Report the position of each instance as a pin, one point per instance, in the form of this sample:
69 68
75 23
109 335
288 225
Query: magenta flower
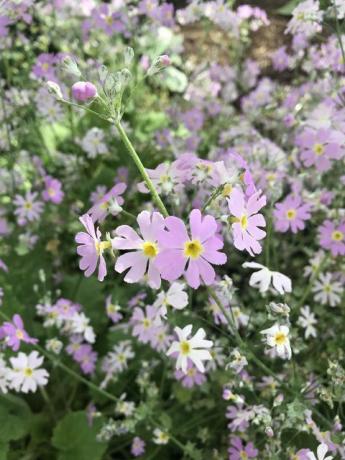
27 208
53 191
246 231
318 148
86 358
91 249
145 249
332 237
14 333
84 91
240 451
144 323
138 447
291 214
190 256
102 207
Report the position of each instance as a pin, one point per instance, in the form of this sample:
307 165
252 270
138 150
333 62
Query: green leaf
75 440
4 449
287 9
14 418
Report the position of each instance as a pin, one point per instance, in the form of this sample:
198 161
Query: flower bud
83 91
54 89
269 432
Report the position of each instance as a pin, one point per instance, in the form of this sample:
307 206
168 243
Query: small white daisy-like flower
26 374
326 291
192 349
175 297
320 453
307 320
160 437
277 336
264 277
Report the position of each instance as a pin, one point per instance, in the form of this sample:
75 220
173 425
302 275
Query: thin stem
338 33
142 170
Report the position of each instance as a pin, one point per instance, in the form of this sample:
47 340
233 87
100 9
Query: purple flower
240 451
190 256
84 91
14 333
101 208
144 323
27 208
246 231
113 310
138 447
332 237
240 417
319 147
192 377
193 119
53 191
145 249
5 21
291 214
86 358
44 67
91 249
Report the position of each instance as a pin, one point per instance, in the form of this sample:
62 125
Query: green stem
338 33
142 170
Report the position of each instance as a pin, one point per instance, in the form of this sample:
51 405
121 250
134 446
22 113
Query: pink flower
52 190
190 256
145 323
192 377
239 450
113 310
86 358
319 148
145 249
83 91
246 231
27 208
101 208
332 237
14 333
291 214
91 249
138 447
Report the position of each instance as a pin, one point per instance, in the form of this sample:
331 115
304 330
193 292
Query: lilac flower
191 377
53 191
144 323
332 237
91 249
319 147
45 67
3 266
246 231
109 21
161 339
5 22
113 310
306 19
240 451
103 206
240 417
86 358
27 208
13 333
145 249
191 257
138 447
291 214
193 119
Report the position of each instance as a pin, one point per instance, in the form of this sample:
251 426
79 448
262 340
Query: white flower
321 452
3 375
79 324
93 143
339 7
307 320
175 297
193 349
263 278
25 374
277 336
327 291
54 345
160 437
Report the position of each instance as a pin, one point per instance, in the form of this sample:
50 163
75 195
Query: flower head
277 337
332 237
193 349
26 374
53 191
263 278
291 214
193 255
14 333
84 91
240 451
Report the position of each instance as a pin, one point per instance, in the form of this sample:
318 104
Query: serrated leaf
75 440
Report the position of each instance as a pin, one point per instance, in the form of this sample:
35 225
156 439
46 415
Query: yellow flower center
150 249
45 66
337 235
164 178
193 249
51 191
280 338
327 288
243 455
185 347
28 372
28 205
101 246
291 214
146 323
191 372
104 205
319 149
19 334
244 222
